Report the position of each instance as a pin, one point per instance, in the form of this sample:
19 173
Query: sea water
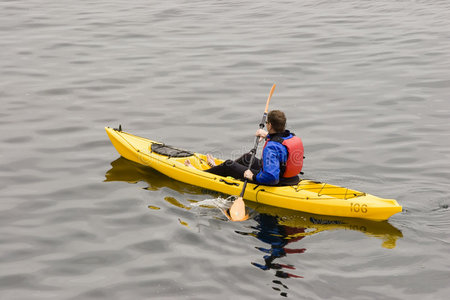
365 84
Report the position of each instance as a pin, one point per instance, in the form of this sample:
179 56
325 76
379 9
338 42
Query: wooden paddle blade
268 99
237 210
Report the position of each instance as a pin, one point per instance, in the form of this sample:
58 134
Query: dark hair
277 119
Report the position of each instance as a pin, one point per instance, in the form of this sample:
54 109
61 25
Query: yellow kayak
127 171
307 196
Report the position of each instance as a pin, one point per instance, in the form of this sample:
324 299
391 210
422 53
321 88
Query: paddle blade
237 210
268 99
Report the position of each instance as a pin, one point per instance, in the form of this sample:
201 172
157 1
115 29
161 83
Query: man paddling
282 156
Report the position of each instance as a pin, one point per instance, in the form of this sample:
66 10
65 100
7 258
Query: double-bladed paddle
237 209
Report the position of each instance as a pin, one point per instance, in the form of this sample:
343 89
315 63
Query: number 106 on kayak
356 207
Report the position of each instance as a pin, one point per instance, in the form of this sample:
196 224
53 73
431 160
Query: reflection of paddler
277 236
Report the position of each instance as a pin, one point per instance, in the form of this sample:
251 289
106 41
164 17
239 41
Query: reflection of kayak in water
318 223
308 196
127 171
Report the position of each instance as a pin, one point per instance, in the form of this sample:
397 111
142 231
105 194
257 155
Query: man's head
277 120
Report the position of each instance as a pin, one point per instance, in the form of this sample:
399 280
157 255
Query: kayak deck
307 196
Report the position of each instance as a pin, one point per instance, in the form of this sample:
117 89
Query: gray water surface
366 85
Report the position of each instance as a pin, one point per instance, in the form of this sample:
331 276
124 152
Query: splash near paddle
222 204
237 210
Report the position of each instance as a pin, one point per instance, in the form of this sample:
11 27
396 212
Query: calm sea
366 84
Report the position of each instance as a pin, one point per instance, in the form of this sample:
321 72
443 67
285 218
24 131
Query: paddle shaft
255 147
252 158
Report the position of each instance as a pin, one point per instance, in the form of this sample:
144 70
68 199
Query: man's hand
248 175
261 133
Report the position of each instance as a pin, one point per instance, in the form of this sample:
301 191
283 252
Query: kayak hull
307 196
